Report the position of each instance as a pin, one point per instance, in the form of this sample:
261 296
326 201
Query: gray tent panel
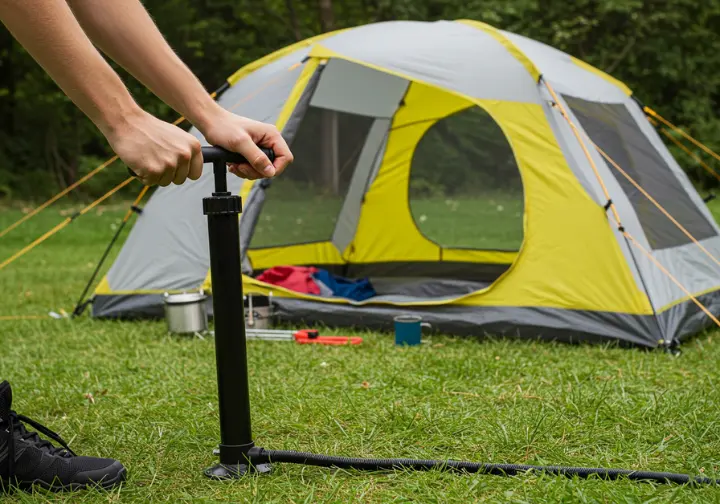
377 163
687 318
264 100
293 122
556 66
449 54
350 212
167 247
355 89
696 271
251 213
259 94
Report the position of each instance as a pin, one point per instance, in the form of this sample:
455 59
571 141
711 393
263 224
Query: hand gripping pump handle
220 156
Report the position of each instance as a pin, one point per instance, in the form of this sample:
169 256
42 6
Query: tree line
667 51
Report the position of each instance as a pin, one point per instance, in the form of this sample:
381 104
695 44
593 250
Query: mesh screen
614 130
465 186
302 205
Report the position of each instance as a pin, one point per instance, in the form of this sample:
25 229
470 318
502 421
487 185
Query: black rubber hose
261 455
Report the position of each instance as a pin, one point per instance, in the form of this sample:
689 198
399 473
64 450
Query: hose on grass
262 456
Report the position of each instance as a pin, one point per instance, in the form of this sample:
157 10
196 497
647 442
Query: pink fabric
296 278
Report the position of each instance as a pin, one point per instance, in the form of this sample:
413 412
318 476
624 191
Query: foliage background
665 50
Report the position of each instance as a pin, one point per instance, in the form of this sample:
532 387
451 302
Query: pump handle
212 154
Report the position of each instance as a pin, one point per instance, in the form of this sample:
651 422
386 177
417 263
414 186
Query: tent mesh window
465 186
303 203
613 129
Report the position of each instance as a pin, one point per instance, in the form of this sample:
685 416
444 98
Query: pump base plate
235 471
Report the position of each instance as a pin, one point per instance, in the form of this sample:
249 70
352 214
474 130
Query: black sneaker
27 460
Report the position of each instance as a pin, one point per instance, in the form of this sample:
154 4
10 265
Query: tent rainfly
480 179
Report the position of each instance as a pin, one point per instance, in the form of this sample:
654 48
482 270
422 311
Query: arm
158 152
124 31
52 36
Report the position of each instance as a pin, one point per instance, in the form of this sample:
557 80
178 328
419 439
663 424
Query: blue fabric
357 290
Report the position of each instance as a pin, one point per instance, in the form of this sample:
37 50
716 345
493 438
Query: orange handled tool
302 336
306 336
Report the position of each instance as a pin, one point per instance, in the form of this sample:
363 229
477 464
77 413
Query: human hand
243 135
156 151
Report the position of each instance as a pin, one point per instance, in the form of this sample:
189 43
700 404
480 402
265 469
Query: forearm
49 32
124 31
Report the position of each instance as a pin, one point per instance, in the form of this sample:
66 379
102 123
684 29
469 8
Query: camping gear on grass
302 336
318 282
258 316
294 278
408 330
479 179
186 313
356 290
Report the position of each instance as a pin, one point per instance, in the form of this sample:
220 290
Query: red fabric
296 278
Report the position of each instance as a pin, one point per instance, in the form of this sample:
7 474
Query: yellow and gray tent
466 172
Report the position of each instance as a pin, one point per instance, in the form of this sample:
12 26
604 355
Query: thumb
256 157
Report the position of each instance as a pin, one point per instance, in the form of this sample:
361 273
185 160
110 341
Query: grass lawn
130 391
491 222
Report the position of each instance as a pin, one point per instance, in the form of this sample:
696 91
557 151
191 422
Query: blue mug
408 330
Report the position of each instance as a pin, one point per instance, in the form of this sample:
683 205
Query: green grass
296 220
154 401
490 222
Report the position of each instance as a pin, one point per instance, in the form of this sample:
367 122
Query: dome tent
455 166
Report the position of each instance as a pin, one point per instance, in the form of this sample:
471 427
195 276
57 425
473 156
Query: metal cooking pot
186 312
258 317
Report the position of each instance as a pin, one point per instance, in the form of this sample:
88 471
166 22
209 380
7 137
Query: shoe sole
72 487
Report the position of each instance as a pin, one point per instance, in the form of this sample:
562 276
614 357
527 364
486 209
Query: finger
183 167
143 175
243 171
257 159
168 173
196 163
283 155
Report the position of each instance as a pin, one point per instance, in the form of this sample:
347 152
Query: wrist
117 115
205 114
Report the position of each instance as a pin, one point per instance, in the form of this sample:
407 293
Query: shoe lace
17 430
